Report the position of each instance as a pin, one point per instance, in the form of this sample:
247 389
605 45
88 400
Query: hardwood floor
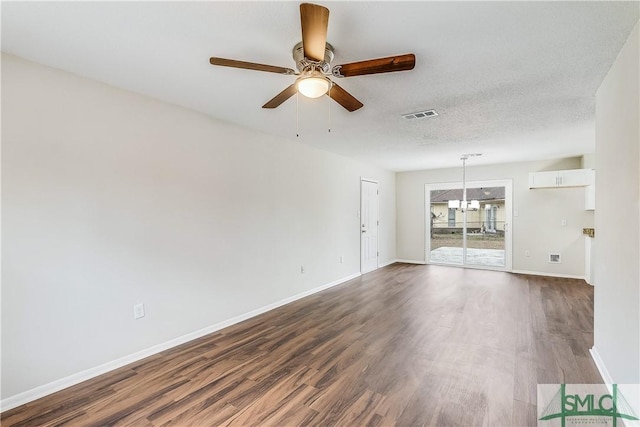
406 345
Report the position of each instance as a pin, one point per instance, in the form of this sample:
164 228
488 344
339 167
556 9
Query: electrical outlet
302 269
341 259
527 253
138 311
563 222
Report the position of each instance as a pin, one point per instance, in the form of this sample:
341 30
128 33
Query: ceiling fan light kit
313 84
313 56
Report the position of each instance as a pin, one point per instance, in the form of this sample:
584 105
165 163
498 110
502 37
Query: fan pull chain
330 108
297 108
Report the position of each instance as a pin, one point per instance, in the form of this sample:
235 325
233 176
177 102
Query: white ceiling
513 80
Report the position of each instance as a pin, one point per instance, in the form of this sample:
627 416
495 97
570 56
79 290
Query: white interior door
368 226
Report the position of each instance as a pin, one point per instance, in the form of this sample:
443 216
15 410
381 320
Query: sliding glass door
469 229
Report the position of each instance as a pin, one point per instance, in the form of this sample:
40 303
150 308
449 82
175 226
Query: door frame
508 207
373 181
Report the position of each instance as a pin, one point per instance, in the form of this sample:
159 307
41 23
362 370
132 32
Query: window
452 217
490 218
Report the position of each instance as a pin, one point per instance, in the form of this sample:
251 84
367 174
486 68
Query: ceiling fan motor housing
306 64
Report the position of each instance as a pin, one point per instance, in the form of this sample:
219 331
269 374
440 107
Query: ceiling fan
313 56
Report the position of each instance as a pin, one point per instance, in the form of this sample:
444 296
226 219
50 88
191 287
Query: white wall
617 290
537 227
110 198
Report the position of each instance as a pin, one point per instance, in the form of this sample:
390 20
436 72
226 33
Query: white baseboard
384 264
604 373
411 261
540 273
57 385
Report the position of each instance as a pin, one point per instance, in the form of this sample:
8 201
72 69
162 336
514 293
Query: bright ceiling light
313 85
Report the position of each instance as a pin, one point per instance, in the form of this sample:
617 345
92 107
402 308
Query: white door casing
368 226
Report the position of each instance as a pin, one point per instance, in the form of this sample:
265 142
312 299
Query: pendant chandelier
464 205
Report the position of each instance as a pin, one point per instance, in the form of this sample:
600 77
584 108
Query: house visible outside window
452 217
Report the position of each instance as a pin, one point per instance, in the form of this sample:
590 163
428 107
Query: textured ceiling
513 80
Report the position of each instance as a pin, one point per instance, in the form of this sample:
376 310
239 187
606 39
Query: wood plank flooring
406 345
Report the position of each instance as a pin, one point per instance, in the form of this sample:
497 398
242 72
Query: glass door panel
446 228
485 227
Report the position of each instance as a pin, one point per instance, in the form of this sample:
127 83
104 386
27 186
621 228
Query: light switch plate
138 311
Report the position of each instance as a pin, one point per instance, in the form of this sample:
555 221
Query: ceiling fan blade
250 66
375 66
281 97
344 98
314 20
